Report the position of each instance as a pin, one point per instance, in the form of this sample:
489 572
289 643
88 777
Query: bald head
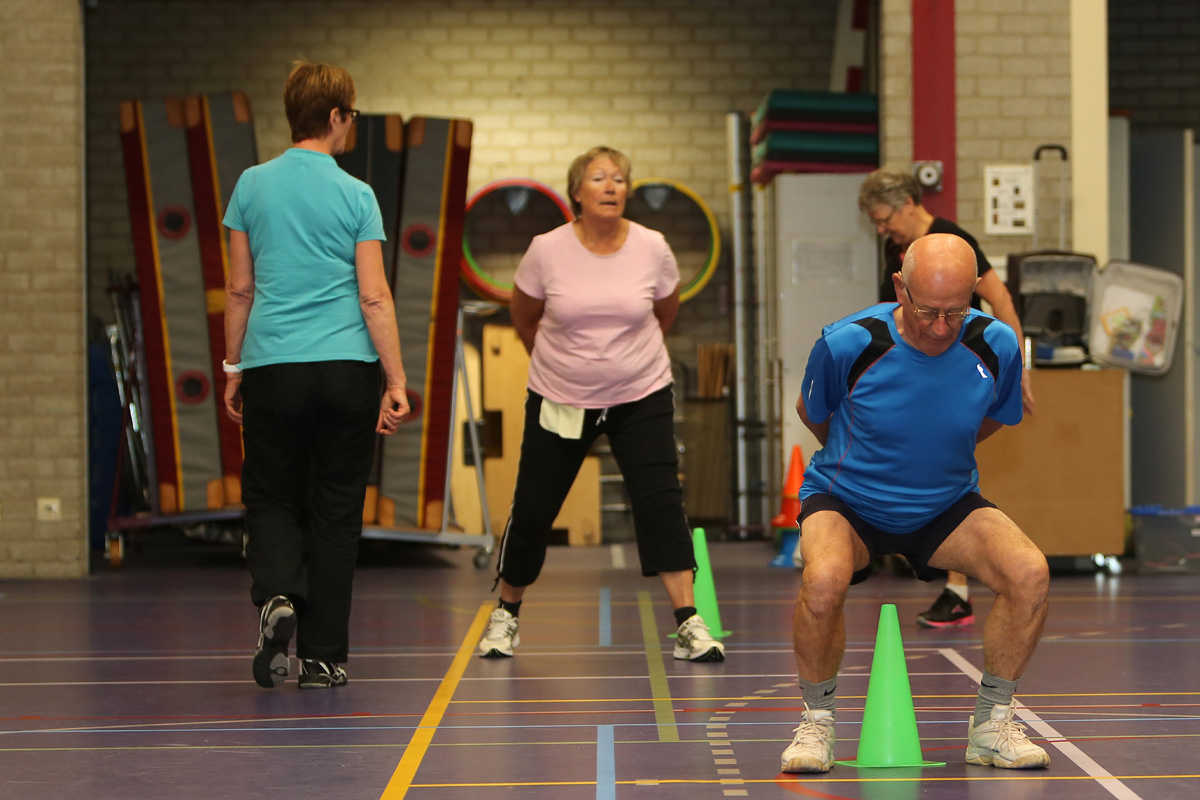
940 259
937 280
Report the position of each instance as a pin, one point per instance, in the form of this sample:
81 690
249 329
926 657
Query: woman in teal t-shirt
309 327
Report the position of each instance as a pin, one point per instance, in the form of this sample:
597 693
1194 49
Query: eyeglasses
929 315
879 223
353 112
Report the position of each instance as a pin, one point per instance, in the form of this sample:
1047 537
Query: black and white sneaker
321 674
276 625
694 642
501 635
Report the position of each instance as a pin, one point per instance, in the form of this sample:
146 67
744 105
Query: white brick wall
543 80
43 426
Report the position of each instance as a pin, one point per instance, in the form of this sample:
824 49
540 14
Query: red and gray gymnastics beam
375 155
183 397
412 490
221 145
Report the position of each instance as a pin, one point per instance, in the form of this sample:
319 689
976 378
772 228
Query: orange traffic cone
791 492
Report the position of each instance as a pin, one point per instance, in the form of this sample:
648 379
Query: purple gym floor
136 684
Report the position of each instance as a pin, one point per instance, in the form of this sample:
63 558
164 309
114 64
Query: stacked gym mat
182 158
418 170
808 131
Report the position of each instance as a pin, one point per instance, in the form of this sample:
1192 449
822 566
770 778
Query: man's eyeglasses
929 315
353 112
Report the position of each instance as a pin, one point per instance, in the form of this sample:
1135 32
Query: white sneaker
693 642
1001 742
500 637
811 749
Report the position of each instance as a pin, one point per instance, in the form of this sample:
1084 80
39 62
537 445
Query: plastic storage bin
1167 539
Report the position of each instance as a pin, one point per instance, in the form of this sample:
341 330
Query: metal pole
473 430
447 497
735 144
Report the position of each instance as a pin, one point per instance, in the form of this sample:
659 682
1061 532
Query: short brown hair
311 92
888 187
575 172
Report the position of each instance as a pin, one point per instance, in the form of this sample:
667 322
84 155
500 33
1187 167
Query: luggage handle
1062 193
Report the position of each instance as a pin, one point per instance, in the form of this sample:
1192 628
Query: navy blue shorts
917 546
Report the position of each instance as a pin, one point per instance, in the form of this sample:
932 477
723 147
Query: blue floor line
606 762
605 617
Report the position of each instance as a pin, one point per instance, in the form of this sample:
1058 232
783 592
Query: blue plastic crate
1167 540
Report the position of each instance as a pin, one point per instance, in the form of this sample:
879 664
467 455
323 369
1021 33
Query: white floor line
618 556
507 678
1081 759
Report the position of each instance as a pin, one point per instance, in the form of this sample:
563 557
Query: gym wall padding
375 155
183 396
220 134
412 484
182 159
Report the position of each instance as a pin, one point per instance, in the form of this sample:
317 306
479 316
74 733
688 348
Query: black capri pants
642 438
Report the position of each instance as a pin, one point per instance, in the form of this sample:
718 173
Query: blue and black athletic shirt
902 424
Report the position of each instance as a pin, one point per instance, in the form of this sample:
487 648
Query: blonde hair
579 165
311 92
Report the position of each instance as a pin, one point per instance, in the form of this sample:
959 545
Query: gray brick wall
1154 62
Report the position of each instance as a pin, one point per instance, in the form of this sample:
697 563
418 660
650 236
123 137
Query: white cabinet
816 260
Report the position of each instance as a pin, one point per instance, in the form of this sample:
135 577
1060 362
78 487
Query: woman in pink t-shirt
592 301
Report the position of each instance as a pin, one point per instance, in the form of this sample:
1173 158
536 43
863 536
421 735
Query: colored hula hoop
479 281
698 281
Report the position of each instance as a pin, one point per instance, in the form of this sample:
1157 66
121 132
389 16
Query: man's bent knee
824 587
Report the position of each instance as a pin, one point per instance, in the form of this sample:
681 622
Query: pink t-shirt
598 342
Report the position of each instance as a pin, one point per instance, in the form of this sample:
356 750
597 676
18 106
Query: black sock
512 608
682 615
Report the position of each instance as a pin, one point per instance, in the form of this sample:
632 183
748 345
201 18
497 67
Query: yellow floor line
407 768
664 710
809 780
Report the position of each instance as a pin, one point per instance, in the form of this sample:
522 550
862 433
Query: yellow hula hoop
698 281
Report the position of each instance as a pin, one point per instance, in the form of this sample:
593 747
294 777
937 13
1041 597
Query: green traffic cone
889 730
704 590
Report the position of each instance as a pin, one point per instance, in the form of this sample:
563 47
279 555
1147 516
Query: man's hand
1027 400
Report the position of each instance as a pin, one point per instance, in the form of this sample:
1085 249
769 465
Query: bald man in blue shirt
898 395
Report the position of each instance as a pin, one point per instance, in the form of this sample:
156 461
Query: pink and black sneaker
948 611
